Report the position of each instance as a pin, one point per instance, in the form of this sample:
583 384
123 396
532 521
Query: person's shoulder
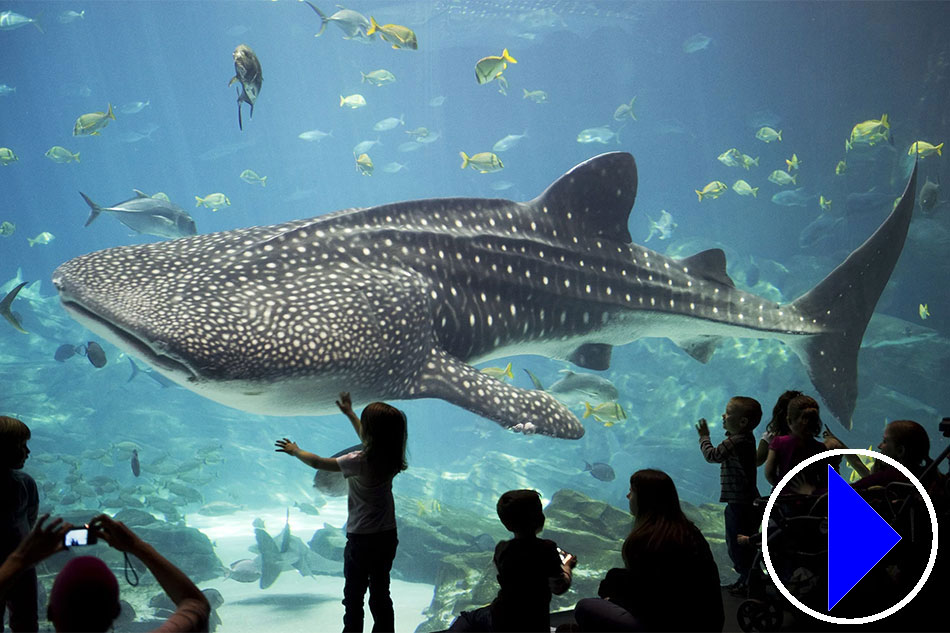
24 477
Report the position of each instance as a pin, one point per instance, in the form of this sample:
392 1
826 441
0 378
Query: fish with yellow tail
484 162
398 36
870 132
825 203
364 165
59 154
743 188
607 413
247 72
353 101
43 238
792 163
491 67
90 123
713 190
213 201
498 372
924 149
841 168
767 134
7 156
923 311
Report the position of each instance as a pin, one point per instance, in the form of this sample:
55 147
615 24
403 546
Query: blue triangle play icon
857 538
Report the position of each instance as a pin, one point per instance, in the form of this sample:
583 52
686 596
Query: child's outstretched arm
310 459
346 406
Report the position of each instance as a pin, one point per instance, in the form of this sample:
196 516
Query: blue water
811 70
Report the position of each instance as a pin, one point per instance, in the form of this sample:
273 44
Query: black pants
21 601
741 518
367 561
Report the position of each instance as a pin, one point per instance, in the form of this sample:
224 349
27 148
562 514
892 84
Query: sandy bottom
293 603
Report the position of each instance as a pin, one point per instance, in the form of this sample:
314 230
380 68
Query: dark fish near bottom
600 471
136 467
66 351
96 355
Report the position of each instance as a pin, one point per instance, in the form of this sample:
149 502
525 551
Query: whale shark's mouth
128 340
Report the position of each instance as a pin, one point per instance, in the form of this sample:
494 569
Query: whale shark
399 301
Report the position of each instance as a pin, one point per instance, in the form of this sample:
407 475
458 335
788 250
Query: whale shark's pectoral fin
522 410
701 348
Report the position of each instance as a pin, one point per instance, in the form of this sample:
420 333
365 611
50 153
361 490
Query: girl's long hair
384 439
660 520
806 407
779 422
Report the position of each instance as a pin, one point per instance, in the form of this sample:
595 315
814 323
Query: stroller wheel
759 615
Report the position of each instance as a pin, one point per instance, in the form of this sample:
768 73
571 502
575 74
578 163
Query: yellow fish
767 134
398 36
743 188
498 372
867 461
250 177
7 157
484 162
607 413
712 190
488 68
825 203
213 201
538 96
364 165
748 161
924 149
869 132
923 310
793 163
90 124
43 238
353 101
781 178
59 154
841 167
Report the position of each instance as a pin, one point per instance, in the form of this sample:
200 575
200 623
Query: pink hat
85 596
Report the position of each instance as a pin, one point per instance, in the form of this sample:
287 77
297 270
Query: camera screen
78 536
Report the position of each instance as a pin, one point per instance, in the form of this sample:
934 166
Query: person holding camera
85 594
529 571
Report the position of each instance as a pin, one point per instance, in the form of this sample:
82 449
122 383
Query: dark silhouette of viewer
371 520
85 594
787 451
530 569
669 582
736 455
778 425
19 503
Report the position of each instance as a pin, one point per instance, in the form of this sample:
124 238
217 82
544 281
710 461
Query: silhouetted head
14 435
907 442
520 511
779 422
384 438
742 414
803 416
85 596
654 495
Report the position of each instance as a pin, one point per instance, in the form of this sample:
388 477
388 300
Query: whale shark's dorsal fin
594 198
710 264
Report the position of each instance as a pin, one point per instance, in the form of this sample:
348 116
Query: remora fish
398 301
147 215
247 71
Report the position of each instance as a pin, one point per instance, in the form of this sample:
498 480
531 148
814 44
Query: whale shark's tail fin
844 302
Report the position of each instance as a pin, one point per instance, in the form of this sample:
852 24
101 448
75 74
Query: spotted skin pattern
398 301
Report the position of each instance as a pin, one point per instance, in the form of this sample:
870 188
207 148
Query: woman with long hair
669 582
371 524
